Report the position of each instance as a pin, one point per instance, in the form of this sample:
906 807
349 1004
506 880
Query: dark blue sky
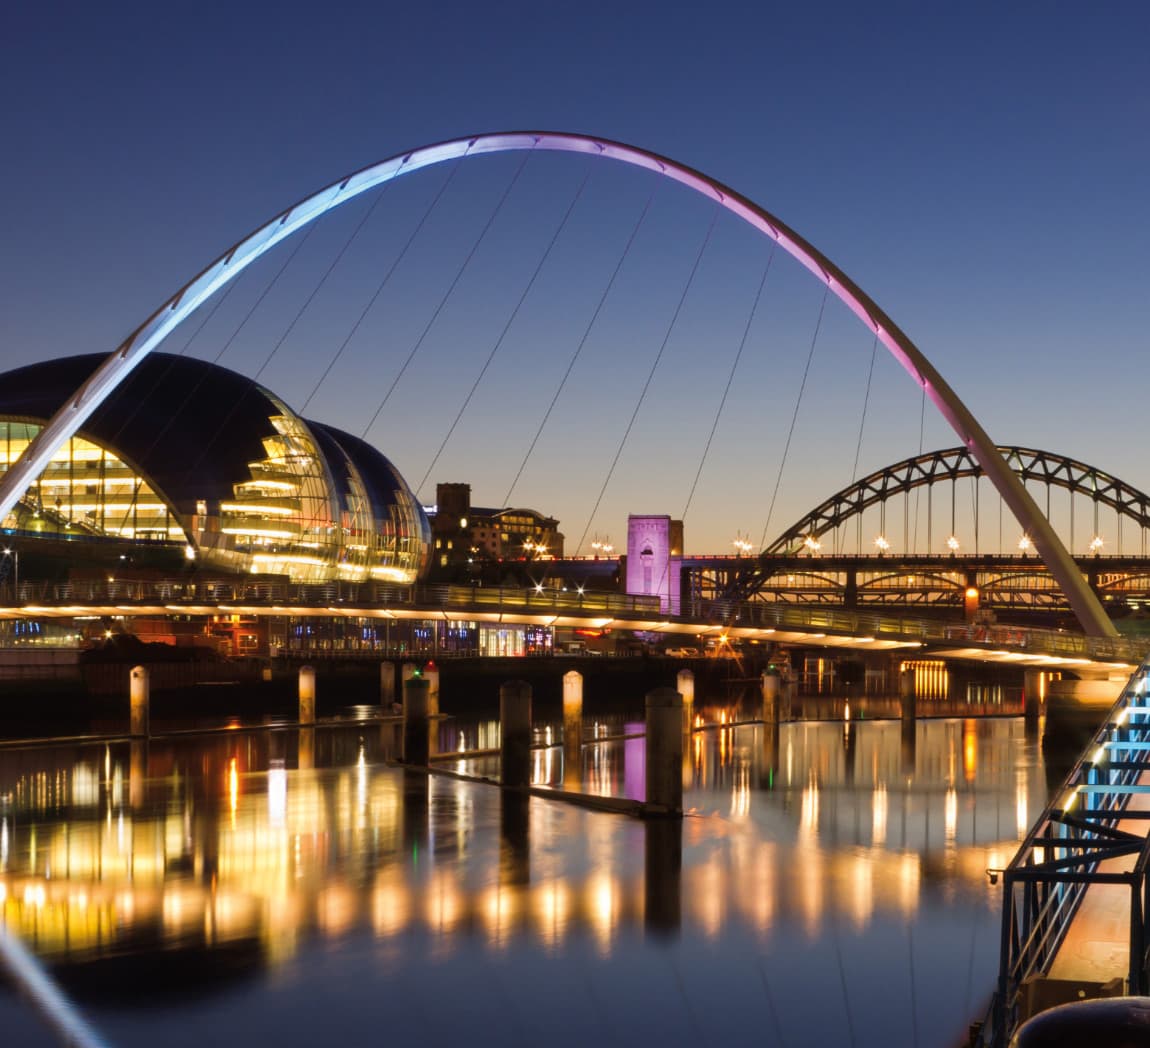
980 171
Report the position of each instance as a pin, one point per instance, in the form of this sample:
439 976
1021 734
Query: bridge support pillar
771 688
387 685
664 757
1033 693
416 725
305 758
431 674
307 695
137 773
663 876
685 685
515 733
906 693
139 689
572 730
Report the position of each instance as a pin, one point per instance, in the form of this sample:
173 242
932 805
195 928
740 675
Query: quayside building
188 461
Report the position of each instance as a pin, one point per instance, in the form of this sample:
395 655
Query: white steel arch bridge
243 253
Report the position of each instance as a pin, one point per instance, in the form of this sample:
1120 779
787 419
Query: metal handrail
196 590
1061 854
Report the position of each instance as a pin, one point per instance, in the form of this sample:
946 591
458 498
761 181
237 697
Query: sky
980 170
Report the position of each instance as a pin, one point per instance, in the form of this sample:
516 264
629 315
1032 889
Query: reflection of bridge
92 861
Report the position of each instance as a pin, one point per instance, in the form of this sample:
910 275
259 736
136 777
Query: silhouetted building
467 535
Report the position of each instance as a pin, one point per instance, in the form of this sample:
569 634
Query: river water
827 887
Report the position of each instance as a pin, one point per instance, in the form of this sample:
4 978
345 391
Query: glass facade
310 508
86 490
293 516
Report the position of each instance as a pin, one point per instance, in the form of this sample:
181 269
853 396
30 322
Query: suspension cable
211 443
382 284
195 388
858 442
582 342
866 401
507 326
918 490
141 401
730 379
794 418
447 294
650 376
324 279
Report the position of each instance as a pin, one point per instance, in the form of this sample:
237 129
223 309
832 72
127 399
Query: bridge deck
1097 943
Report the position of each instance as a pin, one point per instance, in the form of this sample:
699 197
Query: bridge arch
951 464
233 261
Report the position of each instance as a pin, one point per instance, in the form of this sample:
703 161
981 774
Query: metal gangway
1092 837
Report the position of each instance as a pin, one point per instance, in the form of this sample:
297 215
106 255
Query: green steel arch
951 464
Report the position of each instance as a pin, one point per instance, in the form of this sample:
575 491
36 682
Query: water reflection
285 840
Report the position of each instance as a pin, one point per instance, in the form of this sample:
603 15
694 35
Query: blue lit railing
1061 857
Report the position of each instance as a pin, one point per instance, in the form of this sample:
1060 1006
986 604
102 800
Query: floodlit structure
655 559
192 456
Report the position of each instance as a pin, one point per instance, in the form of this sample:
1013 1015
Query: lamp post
14 557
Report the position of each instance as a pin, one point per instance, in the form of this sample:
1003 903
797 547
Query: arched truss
936 467
230 264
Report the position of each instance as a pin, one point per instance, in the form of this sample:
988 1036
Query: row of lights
812 545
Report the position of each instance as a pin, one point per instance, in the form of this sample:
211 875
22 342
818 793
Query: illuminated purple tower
655 559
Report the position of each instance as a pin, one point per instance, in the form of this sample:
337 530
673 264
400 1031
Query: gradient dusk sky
981 170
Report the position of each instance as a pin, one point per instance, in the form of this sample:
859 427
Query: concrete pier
663 880
1032 694
664 758
386 685
431 675
307 695
572 730
514 840
685 686
140 696
771 687
906 695
416 722
515 733
137 773
305 759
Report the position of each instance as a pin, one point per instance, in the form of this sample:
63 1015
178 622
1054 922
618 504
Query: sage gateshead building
187 463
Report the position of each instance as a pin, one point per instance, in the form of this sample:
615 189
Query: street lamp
812 544
1096 545
14 557
881 543
1024 544
742 546
952 544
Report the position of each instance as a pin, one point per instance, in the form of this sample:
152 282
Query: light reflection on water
827 887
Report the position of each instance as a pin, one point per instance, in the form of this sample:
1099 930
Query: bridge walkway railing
197 590
1068 850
